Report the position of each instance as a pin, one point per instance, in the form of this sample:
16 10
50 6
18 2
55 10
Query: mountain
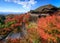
45 8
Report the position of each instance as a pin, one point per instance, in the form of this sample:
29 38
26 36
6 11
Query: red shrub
49 27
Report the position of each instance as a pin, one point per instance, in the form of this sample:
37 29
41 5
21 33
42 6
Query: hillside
45 8
25 28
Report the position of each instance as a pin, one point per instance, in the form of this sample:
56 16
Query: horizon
23 6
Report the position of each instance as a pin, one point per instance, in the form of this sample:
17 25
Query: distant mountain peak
46 8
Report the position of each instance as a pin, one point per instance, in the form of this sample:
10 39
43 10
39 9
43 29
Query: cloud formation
26 4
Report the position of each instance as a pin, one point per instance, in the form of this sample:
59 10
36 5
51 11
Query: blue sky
24 5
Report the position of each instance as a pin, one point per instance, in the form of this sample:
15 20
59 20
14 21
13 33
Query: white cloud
8 11
26 4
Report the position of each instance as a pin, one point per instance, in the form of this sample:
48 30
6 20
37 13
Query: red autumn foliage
16 20
13 22
49 27
13 40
